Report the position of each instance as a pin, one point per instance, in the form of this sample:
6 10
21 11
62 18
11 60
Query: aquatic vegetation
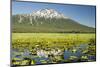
44 48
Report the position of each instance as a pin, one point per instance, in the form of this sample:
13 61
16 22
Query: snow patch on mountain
48 13
42 13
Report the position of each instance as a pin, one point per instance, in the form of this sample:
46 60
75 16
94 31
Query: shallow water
67 54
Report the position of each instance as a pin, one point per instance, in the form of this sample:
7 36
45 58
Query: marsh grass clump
92 41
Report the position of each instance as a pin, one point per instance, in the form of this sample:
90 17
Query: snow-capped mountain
47 20
42 13
48 13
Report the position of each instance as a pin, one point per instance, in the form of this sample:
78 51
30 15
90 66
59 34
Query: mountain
47 20
48 13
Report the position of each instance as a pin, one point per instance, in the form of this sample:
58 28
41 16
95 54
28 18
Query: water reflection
42 56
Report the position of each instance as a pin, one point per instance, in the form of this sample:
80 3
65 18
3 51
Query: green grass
29 40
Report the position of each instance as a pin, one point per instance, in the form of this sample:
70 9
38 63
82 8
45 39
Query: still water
73 55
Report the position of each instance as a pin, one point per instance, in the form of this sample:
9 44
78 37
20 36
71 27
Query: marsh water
76 54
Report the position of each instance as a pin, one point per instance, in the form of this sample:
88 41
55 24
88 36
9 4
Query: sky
84 14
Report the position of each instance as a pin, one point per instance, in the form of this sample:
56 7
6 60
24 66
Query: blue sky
82 14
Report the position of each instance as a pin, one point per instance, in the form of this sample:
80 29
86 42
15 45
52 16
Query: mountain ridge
47 20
